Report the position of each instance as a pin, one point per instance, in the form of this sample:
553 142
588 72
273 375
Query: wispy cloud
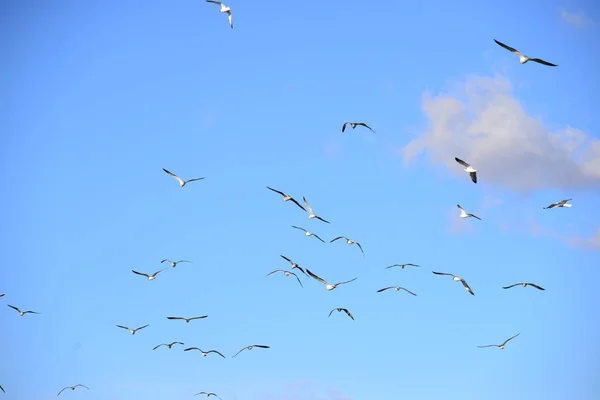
577 18
590 243
307 389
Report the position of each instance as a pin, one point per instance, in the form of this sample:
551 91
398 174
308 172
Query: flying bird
224 9
311 213
174 263
562 203
306 233
349 241
402 265
463 213
73 388
287 198
150 277
204 353
328 286
169 345
353 125
133 331
286 273
294 265
472 171
523 58
21 313
188 319
397 288
260 346
182 183
501 346
524 284
208 394
340 310
457 278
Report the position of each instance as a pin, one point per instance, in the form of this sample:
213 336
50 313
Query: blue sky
99 96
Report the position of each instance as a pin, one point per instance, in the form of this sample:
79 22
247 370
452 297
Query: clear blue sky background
98 96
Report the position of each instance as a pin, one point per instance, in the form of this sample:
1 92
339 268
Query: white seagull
174 263
287 197
182 183
353 125
311 213
341 310
150 277
328 286
472 171
396 288
260 346
286 273
73 388
562 203
501 346
307 233
169 345
523 58
402 265
204 353
207 394
133 331
224 9
294 265
187 320
524 284
349 241
457 278
463 213
21 313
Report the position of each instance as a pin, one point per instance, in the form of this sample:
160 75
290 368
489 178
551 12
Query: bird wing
180 261
366 126
230 19
219 3
298 204
30 312
406 290
297 227
287 259
539 60
317 217
384 289
510 338
174 176
475 216
192 348
564 201
466 285
309 208
300 268
80 385
473 176
462 209
139 273
176 343
142 327
348 313
316 277
261 346
158 272
317 236
508 48
1 388
413 265
344 126
162 344
360 247
536 286
276 191
68 387
272 272
166 259
442 273
392 266
342 283
461 162
200 317
239 352
488 345
175 318
124 327
508 287
552 205
331 312
216 352
298 279
337 238
194 180
14 308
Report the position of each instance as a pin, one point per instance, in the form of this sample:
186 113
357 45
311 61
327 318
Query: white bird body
224 9
464 214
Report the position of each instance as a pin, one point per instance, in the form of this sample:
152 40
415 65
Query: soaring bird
169 345
397 288
287 198
349 241
501 346
21 313
311 213
341 310
133 331
286 273
208 394
523 58
174 263
402 265
307 233
562 203
524 284
260 346
353 125
150 277
73 388
472 171
224 9
457 278
294 265
188 319
182 183
328 286
204 353
463 213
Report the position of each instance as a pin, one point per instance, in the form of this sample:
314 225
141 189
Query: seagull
463 213
457 278
21 313
307 233
472 171
397 288
260 346
562 203
150 277
402 265
133 331
294 265
353 125
340 310
174 263
287 198
73 388
205 353
182 183
523 58
349 241
169 345
328 286
286 273
187 320
311 213
224 9
501 346
206 393
524 284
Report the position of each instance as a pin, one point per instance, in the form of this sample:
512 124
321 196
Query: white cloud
578 18
485 125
